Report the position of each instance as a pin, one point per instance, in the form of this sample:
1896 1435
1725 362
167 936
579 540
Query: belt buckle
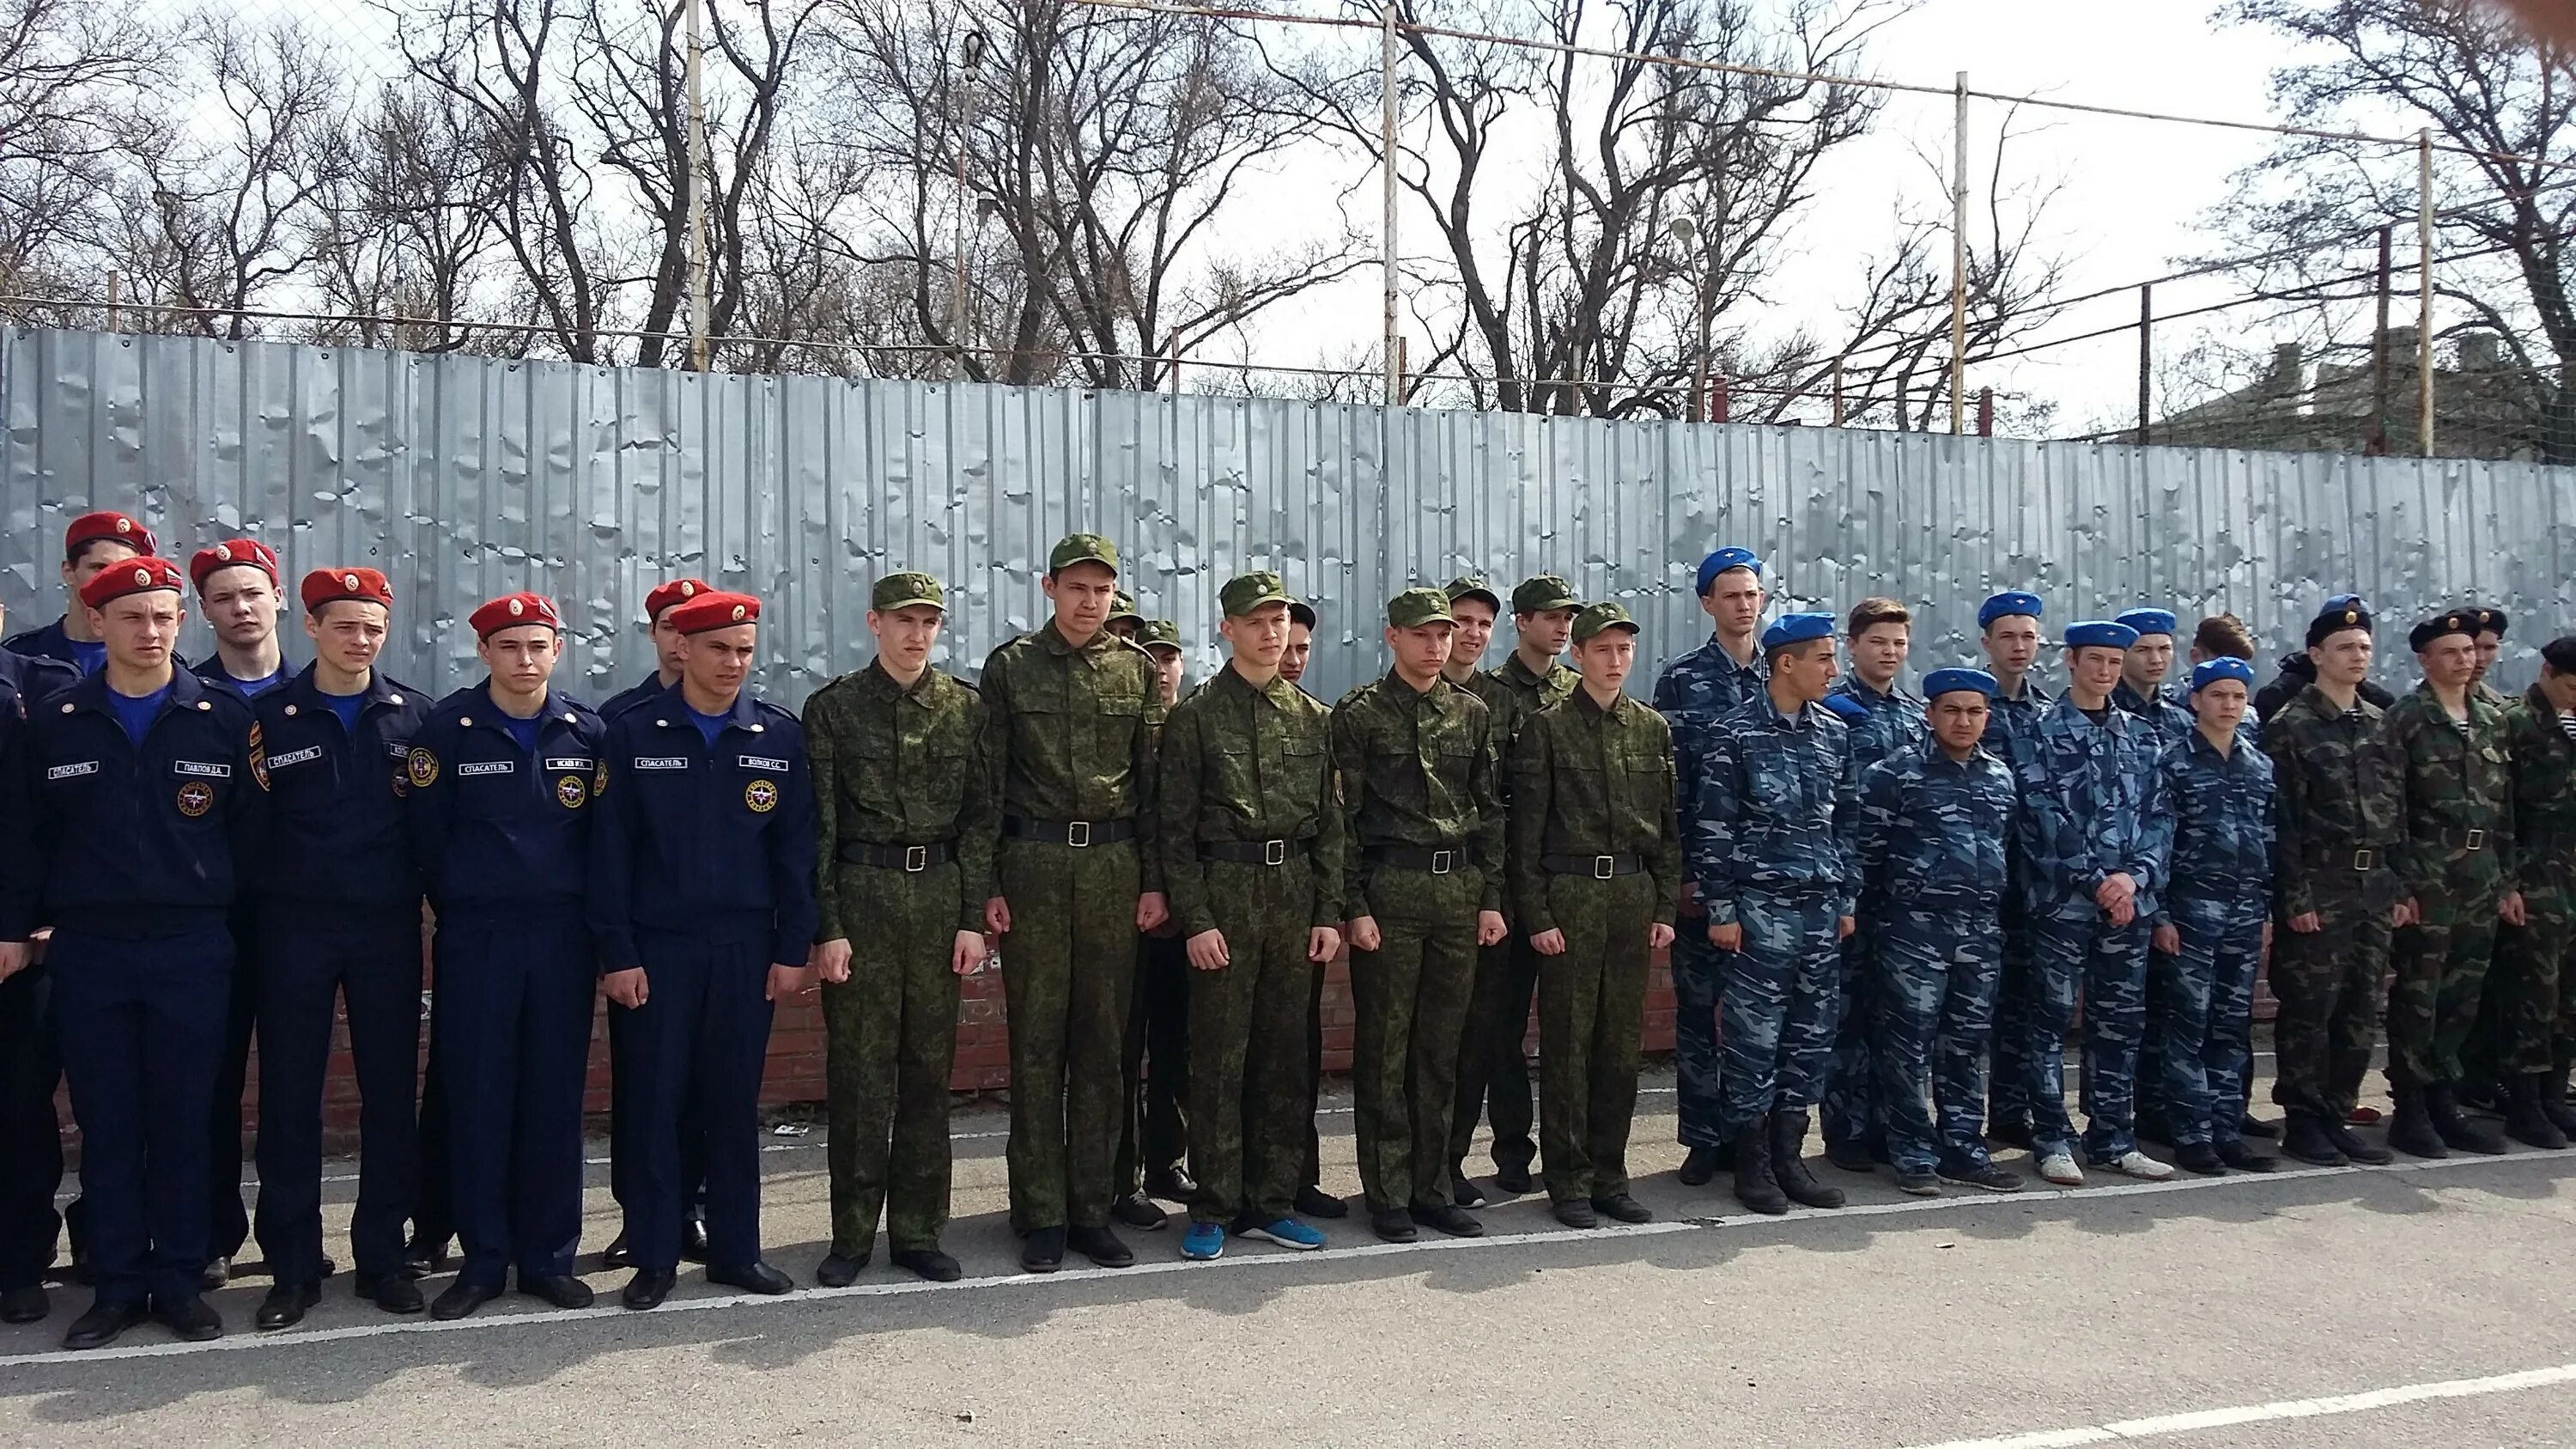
1602 865
916 858
1078 834
1442 861
2361 859
1274 852
2477 840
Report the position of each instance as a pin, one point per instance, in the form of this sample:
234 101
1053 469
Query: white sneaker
2060 1168
2134 1163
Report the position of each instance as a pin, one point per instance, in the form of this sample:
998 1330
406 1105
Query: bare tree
65 66
406 229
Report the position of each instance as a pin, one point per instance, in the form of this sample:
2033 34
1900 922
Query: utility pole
698 183
970 63
1386 165
1959 255
2424 288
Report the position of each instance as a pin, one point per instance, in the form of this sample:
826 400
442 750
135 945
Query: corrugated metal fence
463 477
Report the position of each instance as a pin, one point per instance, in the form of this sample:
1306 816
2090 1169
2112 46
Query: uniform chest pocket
1303 766
197 787
760 781
1776 786
490 787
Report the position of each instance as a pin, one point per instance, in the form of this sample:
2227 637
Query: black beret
2463 622
2491 621
2335 620
2560 653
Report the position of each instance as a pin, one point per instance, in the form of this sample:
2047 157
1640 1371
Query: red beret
511 611
131 576
230 552
715 611
116 527
677 591
322 586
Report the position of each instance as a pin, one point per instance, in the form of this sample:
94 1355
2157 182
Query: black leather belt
1599 867
1404 857
1076 833
1248 852
915 858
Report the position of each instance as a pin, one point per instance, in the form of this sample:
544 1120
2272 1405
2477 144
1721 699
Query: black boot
2480 1094
2526 1120
2304 1139
1754 1186
2553 1100
2411 1130
1699 1166
2457 1132
1789 1163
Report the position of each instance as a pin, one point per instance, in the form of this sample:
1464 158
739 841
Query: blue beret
1848 707
2149 621
1724 559
2344 601
2100 633
1950 681
2011 601
2209 671
1791 629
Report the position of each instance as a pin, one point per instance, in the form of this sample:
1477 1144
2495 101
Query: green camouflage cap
1159 632
1474 586
1597 617
1416 607
1541 592
1246 592
903 591
1082 548
1122 605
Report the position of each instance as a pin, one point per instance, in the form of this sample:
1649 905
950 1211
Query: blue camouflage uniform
1694 692
2012 724
502 834
2092 806
2165 712
1770 847
1882 725
1931 848
2216 901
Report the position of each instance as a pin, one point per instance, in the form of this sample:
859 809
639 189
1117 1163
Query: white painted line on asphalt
1431 1243
2127 1430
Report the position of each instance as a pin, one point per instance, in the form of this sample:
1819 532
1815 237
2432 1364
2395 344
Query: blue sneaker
1288 1233
1205 1241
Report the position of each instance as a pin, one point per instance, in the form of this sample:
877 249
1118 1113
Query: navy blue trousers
699 1041
228 1223
309 961
513 1032
31 1144
141 1024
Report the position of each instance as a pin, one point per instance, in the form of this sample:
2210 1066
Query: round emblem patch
761 796
599 782
196 798
423 767
570 790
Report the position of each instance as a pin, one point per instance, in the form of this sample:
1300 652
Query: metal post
1386 164
1985 412
2424 288
1959 255
1719 400
2378 441
115 290
698 184
2146 357
1838 392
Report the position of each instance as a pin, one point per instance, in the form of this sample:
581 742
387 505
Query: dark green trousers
1591 1015
1411 995
890 1040
1493 1066
2441 965
2328 984
1248 1022
1067 967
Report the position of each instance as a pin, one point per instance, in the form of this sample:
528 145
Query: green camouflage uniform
2337 807
1595 854
1246 770
895 767
1070 745
1417 774
2535 975
2457 841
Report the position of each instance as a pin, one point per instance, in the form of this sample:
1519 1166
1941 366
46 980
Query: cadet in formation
2143 692
905 824
1423 887
1595 872
1153 1125
1252 842
2533 986
1312 1200
2008 626
91 543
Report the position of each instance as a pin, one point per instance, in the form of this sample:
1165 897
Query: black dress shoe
1463 1190
648 1288
99 1327
1620 1207
217 1273
1574 1212
693 1241
1456 1222
1101 1246
2250 1125
1174 1186
1394 1226
2200 1157
615 1254
425 1255
1314 1202
563 1290
285 1305
1042 1251
1699 1167
391 1292
2245 1159
462 1298
25 1305
1514 1178
190 1319
753 1277
1139 1212
840 1270
929 1263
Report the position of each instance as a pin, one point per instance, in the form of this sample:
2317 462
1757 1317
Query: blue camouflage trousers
1850 1111
1780 997
1698 969
2007 1085
2201 1028
1934 1000
2107 966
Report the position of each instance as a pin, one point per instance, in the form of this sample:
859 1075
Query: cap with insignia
1724 559
143 575
2343 611
1958 681
1596 618
1416 607
2148 621
1475 586
2007 604
2226 666
2491 621
331 586
715 611
232 553
906 591
2463 622
1301 612
110 527
1540 593
511 611
2099 634
1246 592
1792 629
1160 634
1080 548
674 591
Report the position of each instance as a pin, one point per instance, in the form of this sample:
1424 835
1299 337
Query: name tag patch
567 762
485 767
761 762
397 749
71 772
306 755
201 769
661 762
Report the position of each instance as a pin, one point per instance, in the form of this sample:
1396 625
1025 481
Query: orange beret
715 611
323 586
677 591
512 610
131 576
113 526
225 555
